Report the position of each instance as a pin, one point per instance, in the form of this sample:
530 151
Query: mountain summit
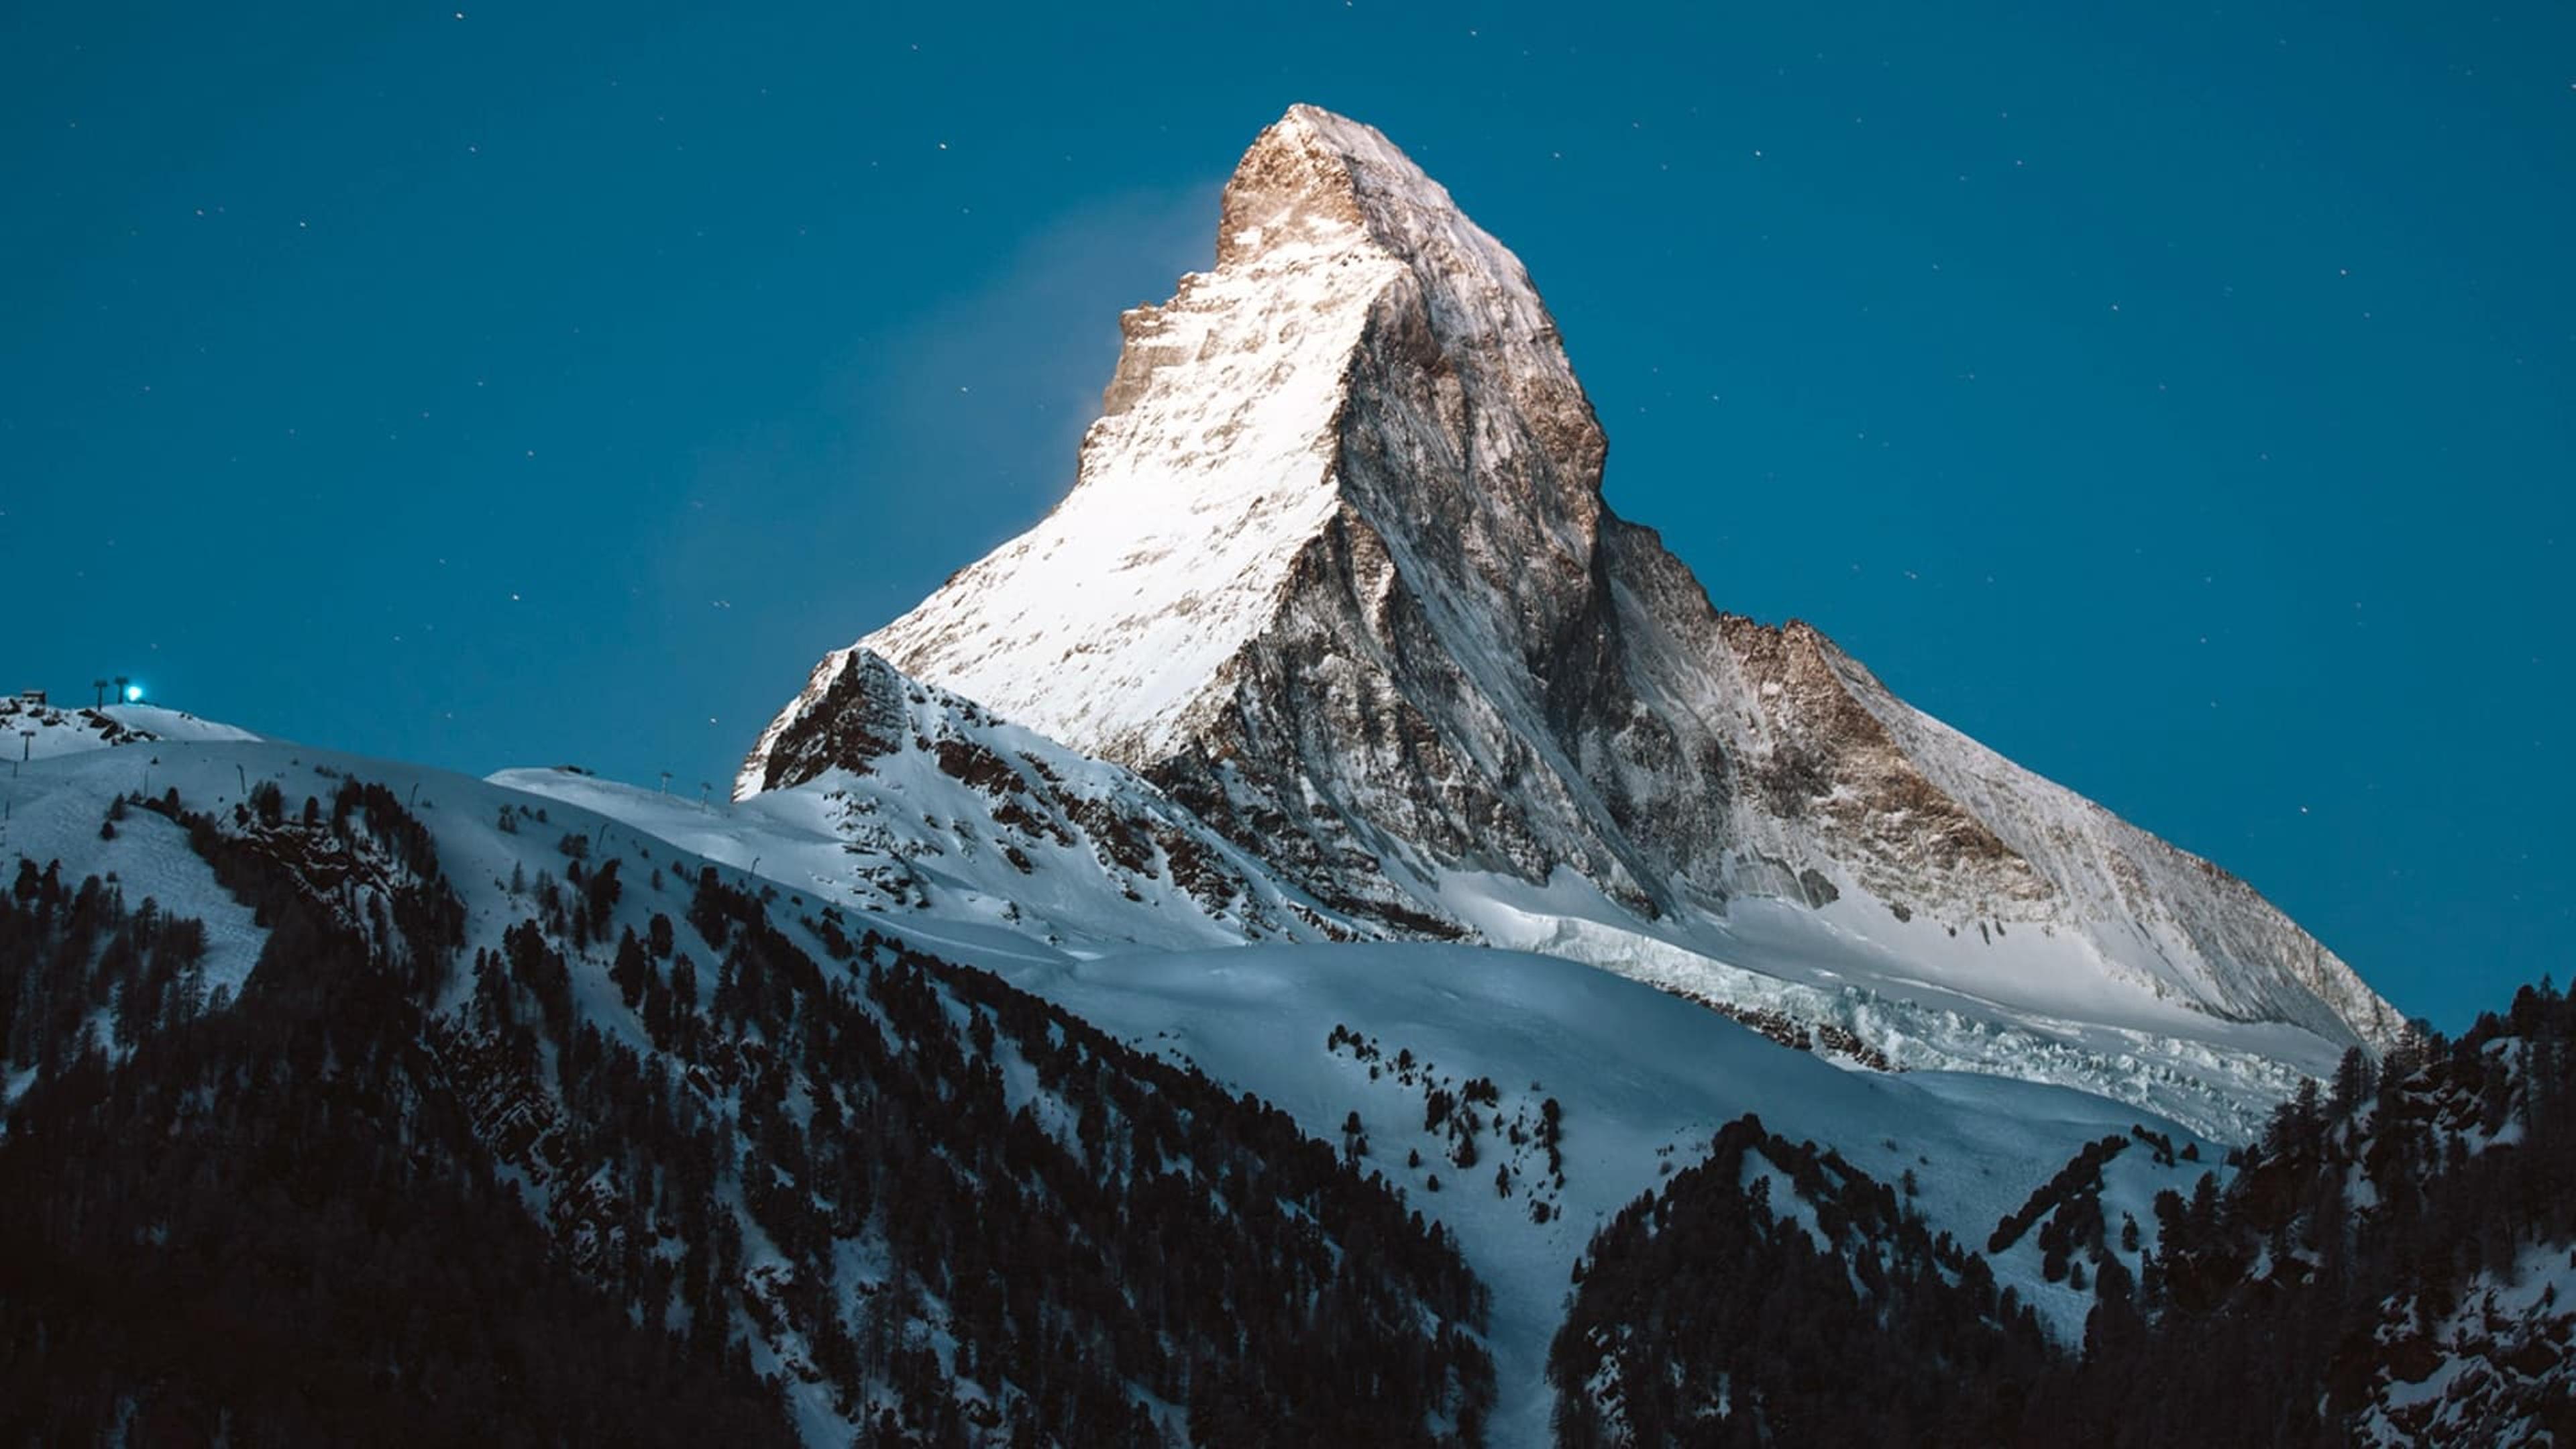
1337 575
1365 373
1225 451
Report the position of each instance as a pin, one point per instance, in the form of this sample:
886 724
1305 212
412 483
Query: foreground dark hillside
2395 1262
648 1168
272 1224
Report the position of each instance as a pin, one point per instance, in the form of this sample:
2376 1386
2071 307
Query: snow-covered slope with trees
782 1119
1522 1100
1337 575
586 925
2388 1264
796 1167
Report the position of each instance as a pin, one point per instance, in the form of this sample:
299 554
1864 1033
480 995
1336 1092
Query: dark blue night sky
2181 403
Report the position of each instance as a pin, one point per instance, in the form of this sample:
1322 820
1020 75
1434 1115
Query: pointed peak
1332 130
1313 174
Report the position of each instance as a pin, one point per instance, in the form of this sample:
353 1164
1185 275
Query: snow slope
145 856
1644 1080
955 819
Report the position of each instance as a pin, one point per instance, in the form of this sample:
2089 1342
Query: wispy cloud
918 450
998 385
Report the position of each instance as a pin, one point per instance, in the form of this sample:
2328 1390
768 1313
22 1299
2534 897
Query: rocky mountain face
1338 576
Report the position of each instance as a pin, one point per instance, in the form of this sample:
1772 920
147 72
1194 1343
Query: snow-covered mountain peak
1466 310
1336 575
1299 182
1353 310
1316 179
1325 182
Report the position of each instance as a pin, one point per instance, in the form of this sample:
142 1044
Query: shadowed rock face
1337 574
851 713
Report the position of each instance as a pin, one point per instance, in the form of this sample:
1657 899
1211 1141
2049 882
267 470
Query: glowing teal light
134 694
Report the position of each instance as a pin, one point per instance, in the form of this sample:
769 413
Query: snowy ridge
909 798
39 731
2183 909
1337 576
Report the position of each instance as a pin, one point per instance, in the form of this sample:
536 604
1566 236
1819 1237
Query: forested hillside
661 1160
2390 1264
